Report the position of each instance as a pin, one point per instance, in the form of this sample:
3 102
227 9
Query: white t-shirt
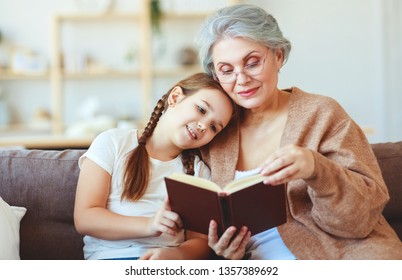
109 150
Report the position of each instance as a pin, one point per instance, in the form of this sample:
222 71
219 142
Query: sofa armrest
44 182
389 157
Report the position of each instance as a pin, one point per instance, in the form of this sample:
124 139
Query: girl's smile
192 133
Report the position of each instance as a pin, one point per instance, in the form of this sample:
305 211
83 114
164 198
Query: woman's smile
248 93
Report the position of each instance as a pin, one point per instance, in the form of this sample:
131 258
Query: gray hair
243 20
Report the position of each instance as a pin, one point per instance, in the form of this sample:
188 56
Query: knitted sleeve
347 190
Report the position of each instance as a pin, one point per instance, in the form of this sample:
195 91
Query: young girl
121 202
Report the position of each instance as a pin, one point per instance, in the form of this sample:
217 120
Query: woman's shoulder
312 102
315 111
314 98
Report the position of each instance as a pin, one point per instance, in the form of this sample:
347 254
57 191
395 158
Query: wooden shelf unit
57 76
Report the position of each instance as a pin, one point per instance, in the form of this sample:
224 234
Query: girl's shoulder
111 145
120 132
115 141
119 135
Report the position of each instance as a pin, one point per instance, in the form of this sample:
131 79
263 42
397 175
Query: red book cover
257 206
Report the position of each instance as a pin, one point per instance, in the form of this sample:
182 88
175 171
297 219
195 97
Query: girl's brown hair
137 169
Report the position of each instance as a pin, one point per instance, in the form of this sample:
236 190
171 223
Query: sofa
44 182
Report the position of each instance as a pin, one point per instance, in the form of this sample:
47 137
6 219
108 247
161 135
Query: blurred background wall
350 50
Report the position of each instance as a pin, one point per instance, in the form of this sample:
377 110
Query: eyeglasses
251 69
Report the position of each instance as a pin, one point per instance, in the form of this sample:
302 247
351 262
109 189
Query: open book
244 202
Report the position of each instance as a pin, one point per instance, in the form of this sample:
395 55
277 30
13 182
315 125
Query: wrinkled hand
162 254
288 163
164 221
227 246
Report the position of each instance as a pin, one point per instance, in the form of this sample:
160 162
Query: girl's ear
175 96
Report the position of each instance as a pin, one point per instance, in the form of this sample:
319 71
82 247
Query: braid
153 120
137 171
187 158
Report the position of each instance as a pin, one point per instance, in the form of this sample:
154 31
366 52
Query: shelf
96 75
177 71
7 75
98 16
43 141
20 135
40 136
184 16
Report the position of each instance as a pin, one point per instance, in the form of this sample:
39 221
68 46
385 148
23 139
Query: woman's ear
175 96
279 59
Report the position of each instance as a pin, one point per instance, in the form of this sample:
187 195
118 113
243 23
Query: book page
196 181
243 183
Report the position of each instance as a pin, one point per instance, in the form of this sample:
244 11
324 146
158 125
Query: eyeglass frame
215 75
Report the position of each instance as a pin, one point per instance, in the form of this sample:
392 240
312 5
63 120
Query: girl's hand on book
165 221
162 254
288 163
227 246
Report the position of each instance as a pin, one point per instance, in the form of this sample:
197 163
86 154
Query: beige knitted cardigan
335 214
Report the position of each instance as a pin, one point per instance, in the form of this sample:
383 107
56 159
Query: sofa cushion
389 157
10 218
44 182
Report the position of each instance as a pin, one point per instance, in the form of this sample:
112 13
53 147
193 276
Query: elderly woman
335 191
